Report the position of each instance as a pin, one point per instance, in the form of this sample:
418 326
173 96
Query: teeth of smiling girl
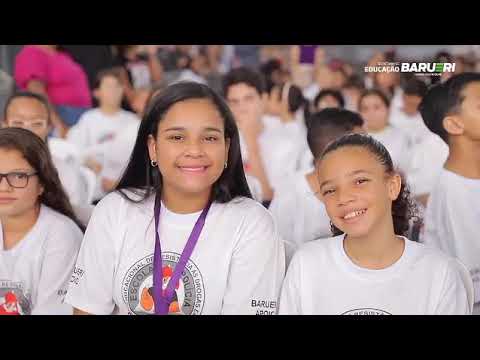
354 214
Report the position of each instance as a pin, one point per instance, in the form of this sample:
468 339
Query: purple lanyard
162 299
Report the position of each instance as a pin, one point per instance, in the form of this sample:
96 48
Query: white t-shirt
396 103
116 153
323 280
452 221
72 181
311 91
34 274
140 71
255 187
237 265
300 216
280 149
413 126
397 144
428 157
305 162
94 128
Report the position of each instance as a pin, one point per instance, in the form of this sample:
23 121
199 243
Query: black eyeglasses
18 180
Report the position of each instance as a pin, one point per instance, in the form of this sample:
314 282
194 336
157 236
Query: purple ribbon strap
163 298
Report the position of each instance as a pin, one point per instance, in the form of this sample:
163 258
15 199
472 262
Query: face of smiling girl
356 190
190 147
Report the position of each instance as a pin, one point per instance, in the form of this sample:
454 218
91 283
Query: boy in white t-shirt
269 153
406 116
369 267
428 151
452 220
296 207
327 98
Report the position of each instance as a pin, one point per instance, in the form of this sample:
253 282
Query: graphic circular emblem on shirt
366 311
13 300
137 287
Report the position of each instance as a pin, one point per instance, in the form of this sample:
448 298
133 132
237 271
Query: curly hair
404 208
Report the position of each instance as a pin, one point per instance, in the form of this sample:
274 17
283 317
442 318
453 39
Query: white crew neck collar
171 217
372 274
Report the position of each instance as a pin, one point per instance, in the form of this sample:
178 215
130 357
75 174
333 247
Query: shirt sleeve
257 268
290 301
60 254
91 285
456 297
30 64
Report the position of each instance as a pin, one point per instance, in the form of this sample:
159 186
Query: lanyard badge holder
163 298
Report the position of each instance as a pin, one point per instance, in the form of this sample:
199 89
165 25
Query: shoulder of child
118 201
316 249
248 208
89 115
436 258
130 115
63 228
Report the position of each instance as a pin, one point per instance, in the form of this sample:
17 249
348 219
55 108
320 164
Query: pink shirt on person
65 80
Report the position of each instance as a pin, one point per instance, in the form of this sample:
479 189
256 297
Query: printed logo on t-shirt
137 287
106 137
366 311
13 300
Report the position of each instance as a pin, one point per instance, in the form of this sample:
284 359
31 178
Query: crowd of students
197 185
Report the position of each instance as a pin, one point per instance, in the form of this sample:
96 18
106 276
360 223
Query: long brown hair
35 151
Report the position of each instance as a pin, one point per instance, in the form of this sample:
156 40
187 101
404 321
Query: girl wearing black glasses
39 234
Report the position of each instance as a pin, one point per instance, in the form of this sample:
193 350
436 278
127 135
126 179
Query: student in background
140 68
50 71
31 111
39 233
103 124
116 153
351 91
374 108
451 110
185 173
369 267
288 109
328 98
428 151
274 73
407 116
267 155
388 82
296 207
